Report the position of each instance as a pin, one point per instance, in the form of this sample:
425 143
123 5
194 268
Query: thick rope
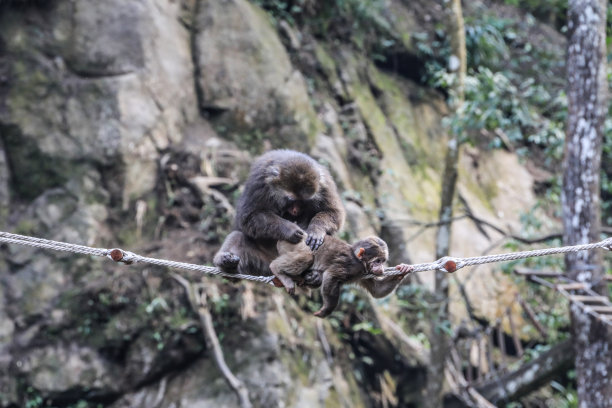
119 255
451 264
446 264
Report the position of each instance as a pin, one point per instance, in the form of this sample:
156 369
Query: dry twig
197 300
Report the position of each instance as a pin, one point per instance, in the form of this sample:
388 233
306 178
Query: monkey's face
292 207
377 266
373 252
294 203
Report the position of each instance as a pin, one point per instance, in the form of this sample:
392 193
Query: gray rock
4 186
53 370
106 37
246 80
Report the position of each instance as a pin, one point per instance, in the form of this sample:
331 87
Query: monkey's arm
324 222
381 287
329 218
267 225
330 291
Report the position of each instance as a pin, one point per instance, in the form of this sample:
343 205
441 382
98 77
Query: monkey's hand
295 235
405 269
315 238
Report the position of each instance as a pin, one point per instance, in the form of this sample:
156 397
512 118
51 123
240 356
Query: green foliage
33 398
155 304
568 395
158 337
415 299
85 404
434 51
486 40
362 22
367 326
504 105
549 11
606 168
503 112
220 303
354 298
282 9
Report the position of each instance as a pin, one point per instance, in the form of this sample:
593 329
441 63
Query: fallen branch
460 387
530 376
197 300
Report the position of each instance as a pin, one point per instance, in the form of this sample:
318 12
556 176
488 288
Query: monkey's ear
359 253
272 173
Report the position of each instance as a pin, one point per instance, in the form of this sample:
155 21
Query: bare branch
324 342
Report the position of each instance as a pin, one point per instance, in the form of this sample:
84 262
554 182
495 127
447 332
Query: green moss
484 191
329 70
299 368
26 227
326 61
419 149
277 325
384 137
409 166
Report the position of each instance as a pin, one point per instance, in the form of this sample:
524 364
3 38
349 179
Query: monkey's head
294 182
373 252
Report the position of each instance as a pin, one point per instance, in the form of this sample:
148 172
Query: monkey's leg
330 291
292 261
256 257
277 267
228 257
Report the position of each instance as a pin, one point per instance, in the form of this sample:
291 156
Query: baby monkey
338 263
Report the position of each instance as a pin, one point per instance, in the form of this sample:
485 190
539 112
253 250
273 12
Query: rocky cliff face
133 124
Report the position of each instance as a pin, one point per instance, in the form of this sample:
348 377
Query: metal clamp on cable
447 264
119 255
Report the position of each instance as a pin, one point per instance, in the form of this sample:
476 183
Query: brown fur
339 263
288 197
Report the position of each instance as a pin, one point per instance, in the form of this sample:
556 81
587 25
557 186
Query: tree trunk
438 337
587 105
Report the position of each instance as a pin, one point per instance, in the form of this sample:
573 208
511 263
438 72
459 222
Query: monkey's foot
226 261
311 279
287 282
321 313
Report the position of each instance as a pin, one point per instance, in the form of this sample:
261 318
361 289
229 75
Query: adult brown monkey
288 196
338 263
